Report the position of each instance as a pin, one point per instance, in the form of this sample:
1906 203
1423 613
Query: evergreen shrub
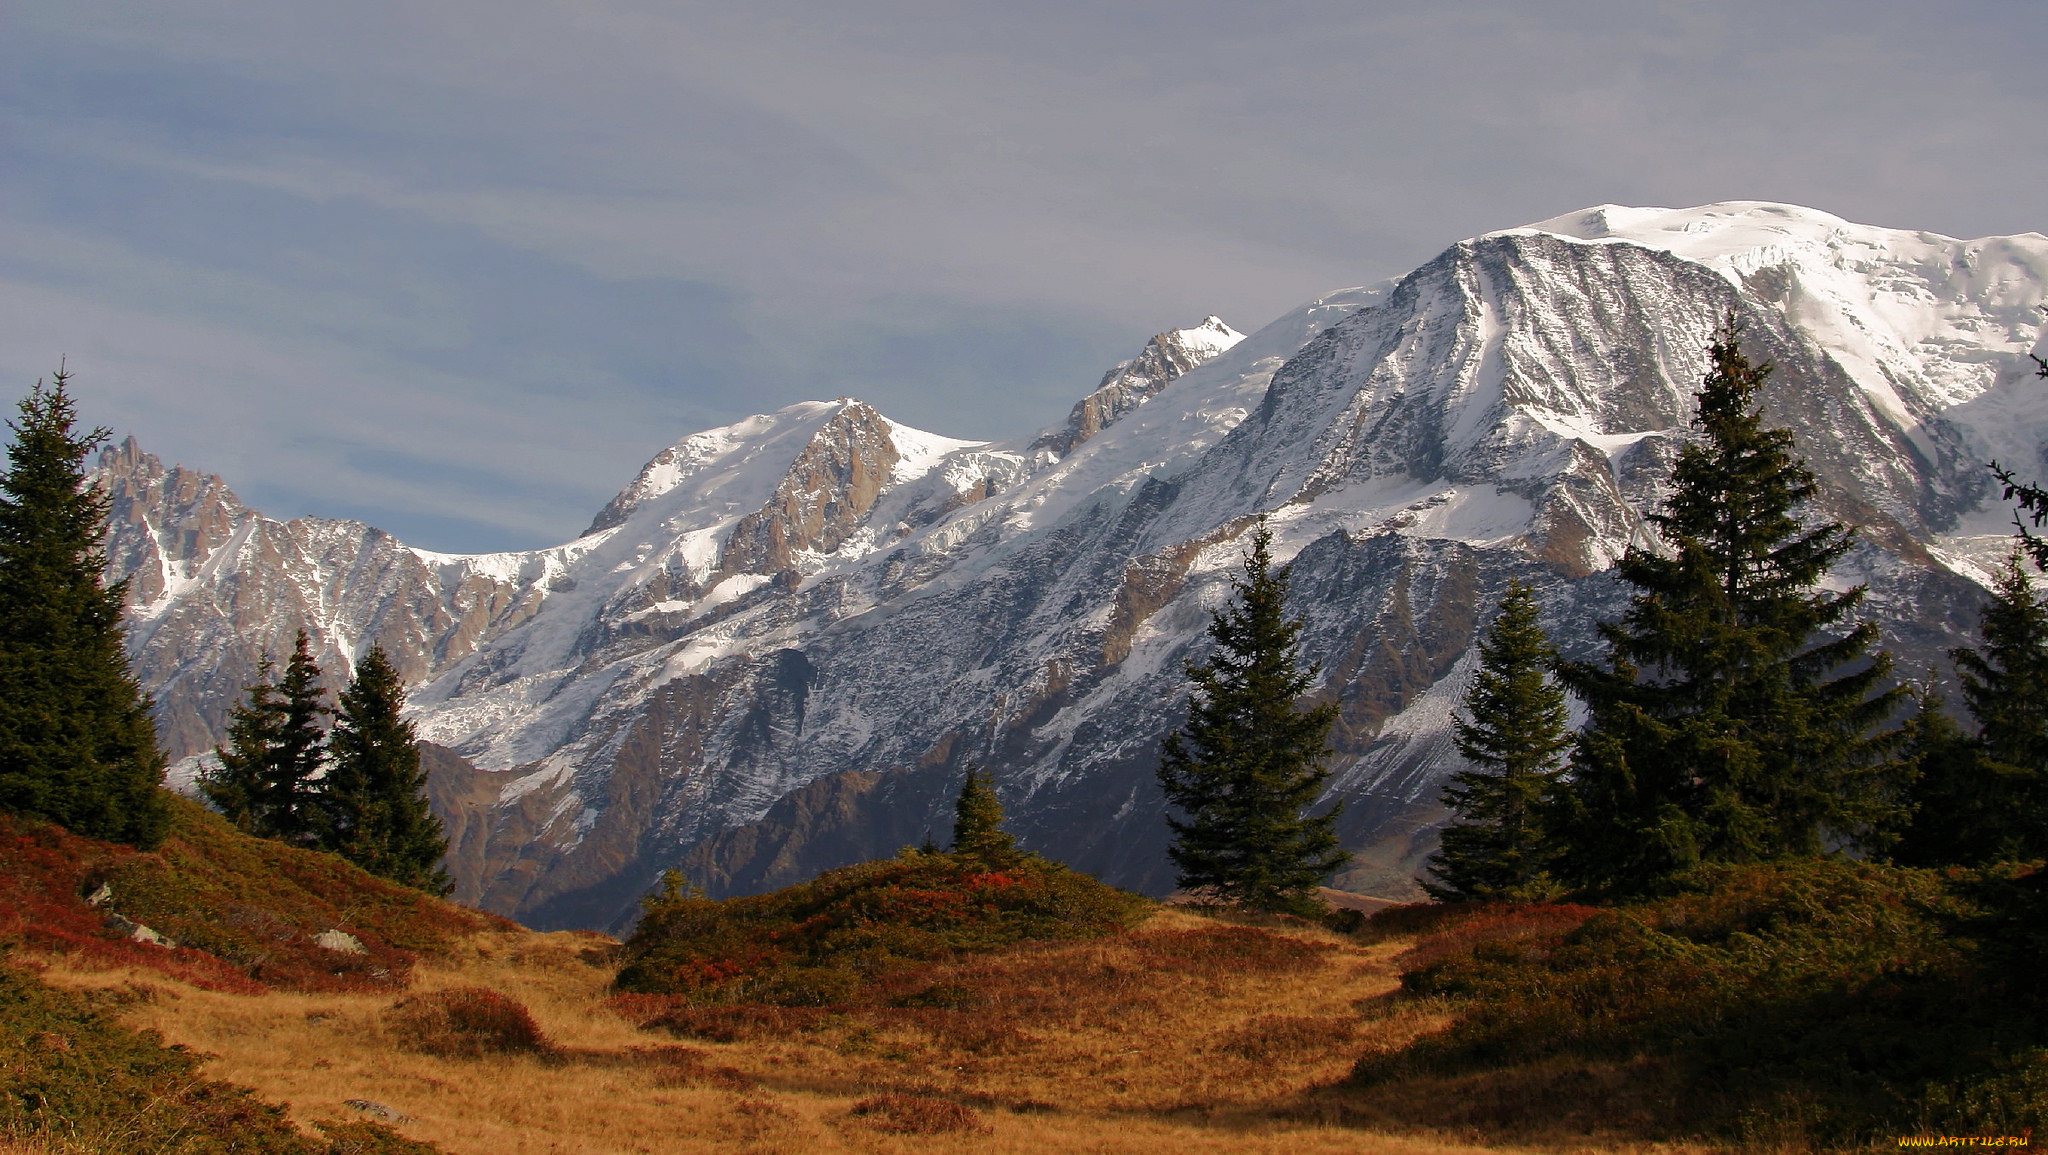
1829 1000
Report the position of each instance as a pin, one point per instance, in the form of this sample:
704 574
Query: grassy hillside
837 938
1025 1008
1183 1033
930 1003
243 914
211 910
77 1082
1808 1004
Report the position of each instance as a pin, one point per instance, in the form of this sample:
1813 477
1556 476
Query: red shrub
1474 923
465 1022
1215 952
917 1115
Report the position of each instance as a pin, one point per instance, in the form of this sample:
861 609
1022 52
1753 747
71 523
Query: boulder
341 941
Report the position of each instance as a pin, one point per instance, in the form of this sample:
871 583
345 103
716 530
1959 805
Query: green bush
1835 1000
820 942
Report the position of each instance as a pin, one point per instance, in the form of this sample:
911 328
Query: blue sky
458 268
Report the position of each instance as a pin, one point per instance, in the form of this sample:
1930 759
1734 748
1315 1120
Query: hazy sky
459 268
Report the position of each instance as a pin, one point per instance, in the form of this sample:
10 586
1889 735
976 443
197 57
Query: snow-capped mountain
778 649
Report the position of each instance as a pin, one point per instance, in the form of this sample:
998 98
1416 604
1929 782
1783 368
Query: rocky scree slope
779 648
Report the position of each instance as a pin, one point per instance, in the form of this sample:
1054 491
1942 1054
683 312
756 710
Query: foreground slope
777 650
1181 1033
212 913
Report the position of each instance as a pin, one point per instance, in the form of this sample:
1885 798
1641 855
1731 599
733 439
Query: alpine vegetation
1979 799
1772 958
374 799
978 823
1499 845
77 745
1726 725
356 790
1249 762
844 936
268 779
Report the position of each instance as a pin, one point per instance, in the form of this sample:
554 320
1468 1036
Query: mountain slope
780 647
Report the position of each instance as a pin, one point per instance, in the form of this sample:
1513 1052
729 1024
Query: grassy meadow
1784 1008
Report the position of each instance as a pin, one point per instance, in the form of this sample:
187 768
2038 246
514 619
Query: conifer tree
375 791
978 822
234 785
1982 800
1498 847
1249 762
1951 813
2005 686
77 745
1720 729
268 779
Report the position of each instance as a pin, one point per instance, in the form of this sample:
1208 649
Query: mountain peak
1909 314
1131 383
822 594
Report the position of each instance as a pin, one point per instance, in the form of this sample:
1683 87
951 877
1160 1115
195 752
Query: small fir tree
77 745
375 791
268 780
1982 800
978 822
2005 686
292 786
1719 729
1949 816
234 784
1498 847
1249 762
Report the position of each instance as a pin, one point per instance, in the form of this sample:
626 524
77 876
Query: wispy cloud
456 268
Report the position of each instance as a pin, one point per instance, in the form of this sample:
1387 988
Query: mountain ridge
823 604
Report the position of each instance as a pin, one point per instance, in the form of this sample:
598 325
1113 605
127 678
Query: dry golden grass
1185 1035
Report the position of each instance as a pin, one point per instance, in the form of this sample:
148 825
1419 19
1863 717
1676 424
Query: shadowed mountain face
779 648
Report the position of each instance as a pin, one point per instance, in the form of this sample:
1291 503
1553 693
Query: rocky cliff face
214 588
1132 383
779 648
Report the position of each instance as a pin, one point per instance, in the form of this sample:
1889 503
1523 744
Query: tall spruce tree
1498 847
375 791
268 780
1249 762
1985 799
1720 729
77 746
978 822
